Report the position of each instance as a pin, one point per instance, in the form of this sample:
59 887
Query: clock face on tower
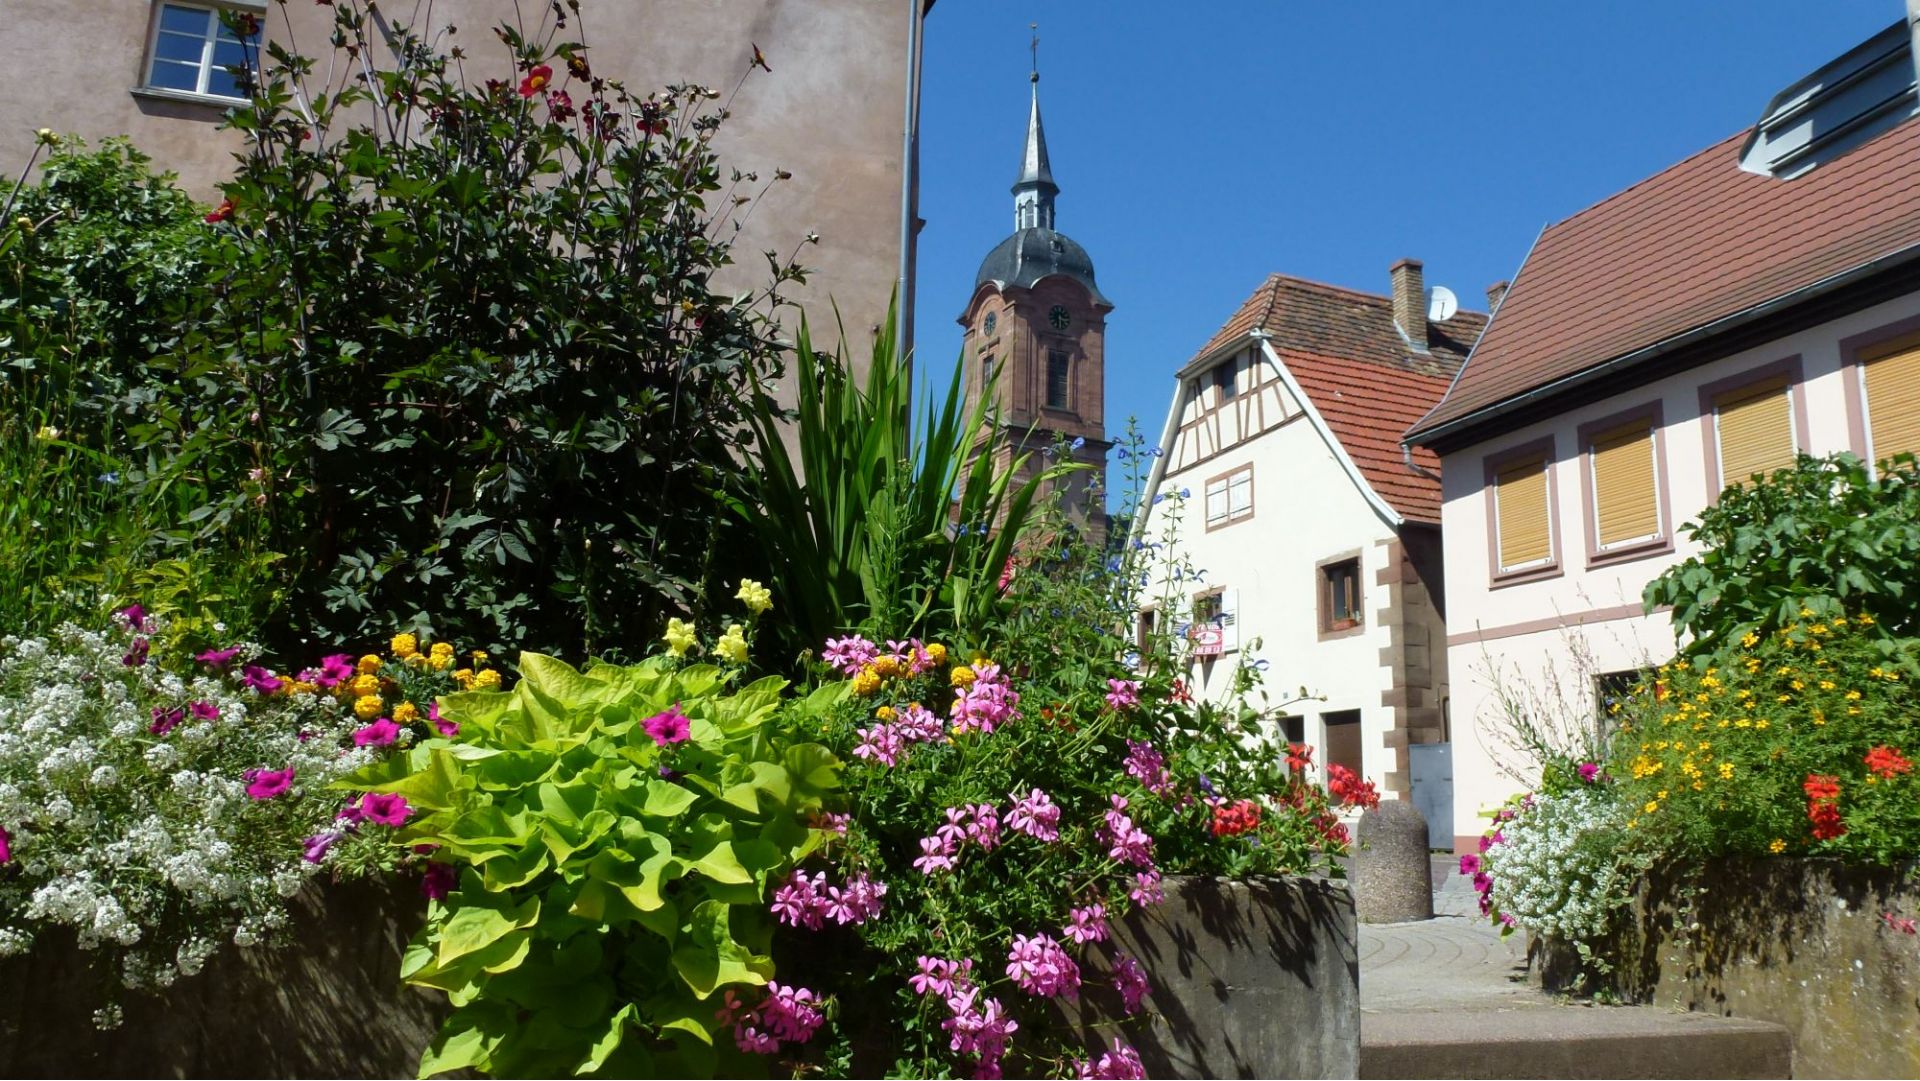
1060 317
992 321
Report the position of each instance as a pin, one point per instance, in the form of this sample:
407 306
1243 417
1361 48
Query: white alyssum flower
1558 870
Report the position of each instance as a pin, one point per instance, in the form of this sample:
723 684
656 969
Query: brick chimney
1410 302
1494 293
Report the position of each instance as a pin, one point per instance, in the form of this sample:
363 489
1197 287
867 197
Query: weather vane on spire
1035 46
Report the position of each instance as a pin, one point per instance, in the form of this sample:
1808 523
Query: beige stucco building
836 110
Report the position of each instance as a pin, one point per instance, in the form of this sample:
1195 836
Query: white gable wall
1306 509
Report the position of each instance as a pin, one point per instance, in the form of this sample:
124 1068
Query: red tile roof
1343 348
1701 241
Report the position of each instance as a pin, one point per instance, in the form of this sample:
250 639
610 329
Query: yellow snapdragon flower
732 645
679 637
756 597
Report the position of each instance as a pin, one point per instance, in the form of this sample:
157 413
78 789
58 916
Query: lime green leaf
667 800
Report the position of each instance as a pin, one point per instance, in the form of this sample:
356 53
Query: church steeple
1033 193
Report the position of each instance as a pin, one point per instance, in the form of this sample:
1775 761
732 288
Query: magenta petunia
333 671
135 615
165 720
446 728
203 711
268 783
219 658
668 727
317 845
6 845
438 882
385 808
136 654
381 733
259 680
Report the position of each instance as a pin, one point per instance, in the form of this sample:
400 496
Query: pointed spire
1033 193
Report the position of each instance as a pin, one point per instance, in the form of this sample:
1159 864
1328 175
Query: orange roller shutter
1520 500
1755 428
1626 499
1893 401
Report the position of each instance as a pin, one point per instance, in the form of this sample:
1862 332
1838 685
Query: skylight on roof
1849 100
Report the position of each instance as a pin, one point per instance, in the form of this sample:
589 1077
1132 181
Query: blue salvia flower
1078 442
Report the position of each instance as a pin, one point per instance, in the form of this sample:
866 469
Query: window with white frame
195 52
1230 497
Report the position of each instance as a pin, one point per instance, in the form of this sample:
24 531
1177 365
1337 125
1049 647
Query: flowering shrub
1556 865
155 804
1798 742
602 844
995 825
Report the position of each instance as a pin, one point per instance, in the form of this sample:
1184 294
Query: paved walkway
1457 960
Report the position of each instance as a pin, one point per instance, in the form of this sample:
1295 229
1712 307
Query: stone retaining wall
1804 943
330 1006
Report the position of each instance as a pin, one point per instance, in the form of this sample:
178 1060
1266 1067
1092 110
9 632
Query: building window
1614 694
1340 596
986 374
1753 431
1891 377
1208 607
1624 496
1226 378
1343 740
1521 489
1144 625
1059 371
1230 497
195 53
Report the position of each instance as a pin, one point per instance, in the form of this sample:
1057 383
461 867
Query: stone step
1564 1041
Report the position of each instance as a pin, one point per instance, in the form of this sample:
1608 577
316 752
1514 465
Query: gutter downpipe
1913 38
1890 261
910 189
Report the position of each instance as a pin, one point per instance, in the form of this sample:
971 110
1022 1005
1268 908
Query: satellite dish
1441 304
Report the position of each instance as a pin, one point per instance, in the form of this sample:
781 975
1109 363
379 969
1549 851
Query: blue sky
1201 146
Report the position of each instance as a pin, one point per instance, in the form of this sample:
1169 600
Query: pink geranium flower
1123 694
668 727
267 783
1130 979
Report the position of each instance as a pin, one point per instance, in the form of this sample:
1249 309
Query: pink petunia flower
136 617
259 680
438 881
381 733
446 728
203 711
334 670
317 845
165 720
219 658
6 845
385 808
265 784
669 727
136 654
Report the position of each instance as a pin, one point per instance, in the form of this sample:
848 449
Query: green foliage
872 526
1715 762
610 888
464 359
1824 535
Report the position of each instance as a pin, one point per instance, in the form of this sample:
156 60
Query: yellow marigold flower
367 706
886 666
302 687
464 677
1818 628
937 653
417 660
1726 771
480 656
1662 794
443 649
756 597
732 645
980 660
884 713
1749 640
365 685
370 663
440 662
1778 846
865 682
1762 723
961 676
1797 685
487 680
1784 698
1853 696
1651 807
404 645
1826 685
679 637
406 713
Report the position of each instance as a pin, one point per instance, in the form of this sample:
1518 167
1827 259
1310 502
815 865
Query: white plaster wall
1500 628
1306 509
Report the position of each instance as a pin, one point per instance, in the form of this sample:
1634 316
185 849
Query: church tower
1038 321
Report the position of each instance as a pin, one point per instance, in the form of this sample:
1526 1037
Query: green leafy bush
1824 535
464 359
614 833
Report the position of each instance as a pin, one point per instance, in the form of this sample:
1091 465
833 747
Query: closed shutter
1626 495
1755 428
1216 502
1893 402
1240 494
1520 506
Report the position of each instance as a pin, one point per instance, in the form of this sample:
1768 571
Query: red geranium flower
1885 762
536 80
221 213
1825 818
1231 820
1821 788
1299 756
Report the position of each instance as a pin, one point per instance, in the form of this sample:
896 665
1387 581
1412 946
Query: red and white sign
1208 640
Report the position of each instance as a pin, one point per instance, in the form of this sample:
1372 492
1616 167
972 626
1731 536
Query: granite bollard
1392 871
